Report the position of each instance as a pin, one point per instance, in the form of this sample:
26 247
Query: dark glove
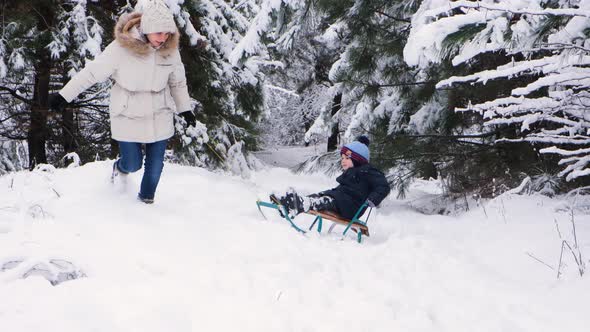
371 204
57 102
189 117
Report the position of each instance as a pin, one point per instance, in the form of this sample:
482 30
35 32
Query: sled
355 224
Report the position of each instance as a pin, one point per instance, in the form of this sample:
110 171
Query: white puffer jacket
149 84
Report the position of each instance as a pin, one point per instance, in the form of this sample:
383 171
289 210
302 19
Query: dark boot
293 202
145 200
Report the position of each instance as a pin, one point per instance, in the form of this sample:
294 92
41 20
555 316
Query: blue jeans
132 157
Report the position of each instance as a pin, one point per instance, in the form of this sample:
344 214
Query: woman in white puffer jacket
149 87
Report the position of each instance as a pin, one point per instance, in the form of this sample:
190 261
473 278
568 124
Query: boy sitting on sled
359 183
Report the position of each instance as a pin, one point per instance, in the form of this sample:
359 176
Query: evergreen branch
14 137
544 12
83 105
42 17
375 27
88 102
72 135
451 138
374 85
16 95
483 135
404 84
239 4
562 46
306 12
12 116
443 154
392 17
447 137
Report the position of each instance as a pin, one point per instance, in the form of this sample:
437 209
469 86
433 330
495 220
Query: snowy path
289 156
202 258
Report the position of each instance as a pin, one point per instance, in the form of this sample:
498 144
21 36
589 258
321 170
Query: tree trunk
333 139
37 137
38 132
68 132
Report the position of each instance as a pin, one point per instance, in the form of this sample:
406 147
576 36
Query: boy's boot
294 202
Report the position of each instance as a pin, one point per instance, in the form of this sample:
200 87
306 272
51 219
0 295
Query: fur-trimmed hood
127 40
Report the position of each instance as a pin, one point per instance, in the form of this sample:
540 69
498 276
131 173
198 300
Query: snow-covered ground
203 259
289 156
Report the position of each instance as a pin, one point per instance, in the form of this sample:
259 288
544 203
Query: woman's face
156 39
346 162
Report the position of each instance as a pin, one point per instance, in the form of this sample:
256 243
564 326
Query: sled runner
356 224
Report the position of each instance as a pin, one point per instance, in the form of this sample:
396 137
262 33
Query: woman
149 87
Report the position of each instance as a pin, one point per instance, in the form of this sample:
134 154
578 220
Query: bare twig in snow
560 257
36 207
557 227
575 250
503 211
540 261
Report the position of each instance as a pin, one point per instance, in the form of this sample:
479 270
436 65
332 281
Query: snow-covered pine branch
552 58
261 26
505 7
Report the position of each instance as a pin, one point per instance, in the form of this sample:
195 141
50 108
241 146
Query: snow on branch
506 71
553 48
251 43
508 7
564 152
578 77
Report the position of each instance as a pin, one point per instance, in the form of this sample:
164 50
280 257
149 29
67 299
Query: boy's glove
371 204
189 117
56 102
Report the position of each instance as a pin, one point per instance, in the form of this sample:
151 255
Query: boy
359 183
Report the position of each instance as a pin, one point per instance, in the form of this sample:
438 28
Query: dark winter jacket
357 185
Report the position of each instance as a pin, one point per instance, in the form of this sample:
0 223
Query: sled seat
334 217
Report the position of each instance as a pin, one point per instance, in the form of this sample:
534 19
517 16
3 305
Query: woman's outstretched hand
189 117
56 102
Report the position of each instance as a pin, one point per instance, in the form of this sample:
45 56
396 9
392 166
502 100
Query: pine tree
374 92
534 88
305 62
25 74
83 30
39 53
228 96
12 156
414 126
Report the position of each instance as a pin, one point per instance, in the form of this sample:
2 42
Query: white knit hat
156 17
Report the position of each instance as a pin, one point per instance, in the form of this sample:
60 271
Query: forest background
483 95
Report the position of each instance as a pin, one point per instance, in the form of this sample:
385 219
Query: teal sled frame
319 219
